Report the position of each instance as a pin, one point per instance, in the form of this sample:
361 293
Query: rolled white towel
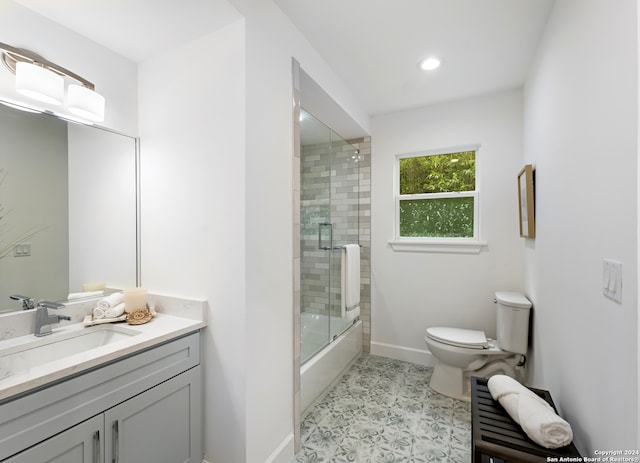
536 417
542 424
98 312
114 312
111 300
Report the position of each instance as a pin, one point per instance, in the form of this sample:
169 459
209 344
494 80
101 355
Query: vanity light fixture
42 80
39 83
85 102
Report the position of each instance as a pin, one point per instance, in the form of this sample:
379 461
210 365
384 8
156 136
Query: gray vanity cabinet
80 444
156 426
143 408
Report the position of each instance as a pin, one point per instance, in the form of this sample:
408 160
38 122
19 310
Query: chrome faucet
44 320
27 302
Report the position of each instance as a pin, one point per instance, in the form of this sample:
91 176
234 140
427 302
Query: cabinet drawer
34 417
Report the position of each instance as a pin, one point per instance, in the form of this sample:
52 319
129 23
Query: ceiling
373 45
137 29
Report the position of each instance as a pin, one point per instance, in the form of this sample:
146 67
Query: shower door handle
320 246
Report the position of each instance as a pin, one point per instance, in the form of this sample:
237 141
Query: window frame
437 244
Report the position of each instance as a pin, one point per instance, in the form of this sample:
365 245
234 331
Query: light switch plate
612 279
22 250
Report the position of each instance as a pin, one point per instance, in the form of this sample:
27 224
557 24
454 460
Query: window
437 198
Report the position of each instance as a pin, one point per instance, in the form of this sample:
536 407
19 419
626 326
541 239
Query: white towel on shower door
350 287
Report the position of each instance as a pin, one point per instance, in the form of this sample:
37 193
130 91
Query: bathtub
327 365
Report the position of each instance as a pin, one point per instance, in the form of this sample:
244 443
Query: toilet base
450 381
456 383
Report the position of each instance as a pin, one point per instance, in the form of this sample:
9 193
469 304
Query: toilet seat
459 337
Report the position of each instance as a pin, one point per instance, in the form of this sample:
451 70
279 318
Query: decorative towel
114 312
536 417
98 313
110 312
72 296
111 301
350 287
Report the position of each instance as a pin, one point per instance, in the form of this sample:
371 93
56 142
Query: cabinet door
80 444
161 425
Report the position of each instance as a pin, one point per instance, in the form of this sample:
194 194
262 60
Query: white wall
192 122
272 42
412 291
581 135
217 213
113 75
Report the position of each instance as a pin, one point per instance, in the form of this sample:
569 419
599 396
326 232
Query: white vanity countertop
163 327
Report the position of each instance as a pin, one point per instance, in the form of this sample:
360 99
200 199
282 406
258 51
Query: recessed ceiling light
430 64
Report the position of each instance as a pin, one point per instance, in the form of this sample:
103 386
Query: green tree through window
437 195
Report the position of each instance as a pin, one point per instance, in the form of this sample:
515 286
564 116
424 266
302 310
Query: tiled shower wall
328 192
364 212
315 197
338 190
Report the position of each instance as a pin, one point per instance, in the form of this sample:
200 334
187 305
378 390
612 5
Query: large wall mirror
68 207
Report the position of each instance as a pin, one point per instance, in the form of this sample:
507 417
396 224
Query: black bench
496 438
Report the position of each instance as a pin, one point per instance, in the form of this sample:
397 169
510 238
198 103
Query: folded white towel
350 281
111 300
114 312
536 417
72 296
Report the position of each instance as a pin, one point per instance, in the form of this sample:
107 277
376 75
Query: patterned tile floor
382 410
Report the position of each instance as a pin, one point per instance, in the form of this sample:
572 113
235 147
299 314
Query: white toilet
464 353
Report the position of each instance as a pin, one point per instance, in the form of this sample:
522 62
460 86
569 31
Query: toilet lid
459 337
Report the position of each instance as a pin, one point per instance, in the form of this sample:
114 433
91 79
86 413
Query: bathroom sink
16 359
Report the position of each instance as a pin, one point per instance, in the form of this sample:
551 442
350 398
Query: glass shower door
328 220
315 234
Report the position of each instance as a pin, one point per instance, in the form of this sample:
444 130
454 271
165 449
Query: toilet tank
513 321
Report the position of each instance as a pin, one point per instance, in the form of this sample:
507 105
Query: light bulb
430 64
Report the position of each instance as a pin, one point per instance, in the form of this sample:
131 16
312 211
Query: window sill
442 246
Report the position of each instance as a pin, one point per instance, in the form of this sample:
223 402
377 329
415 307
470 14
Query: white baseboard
407 354
283 452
